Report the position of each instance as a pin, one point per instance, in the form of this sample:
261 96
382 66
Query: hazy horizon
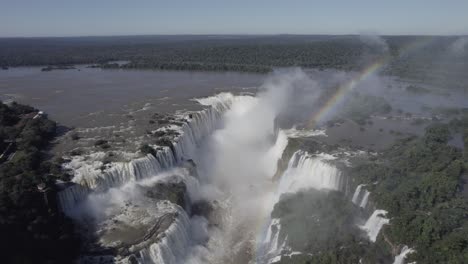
230 35
53 18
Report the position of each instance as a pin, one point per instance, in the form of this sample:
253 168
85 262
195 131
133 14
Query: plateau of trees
431 63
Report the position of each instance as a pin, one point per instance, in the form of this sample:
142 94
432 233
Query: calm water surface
68 95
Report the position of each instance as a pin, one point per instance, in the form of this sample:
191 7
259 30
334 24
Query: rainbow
339 96
344 89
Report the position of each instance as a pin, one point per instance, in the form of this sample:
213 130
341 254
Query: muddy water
70 96
123 101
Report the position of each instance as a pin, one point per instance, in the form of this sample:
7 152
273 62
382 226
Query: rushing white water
375 222
272 236
400 258
237 160
361 196
89 176
172 247
304 171
356 194
364 200
237 164
302 133
113 200
310 171
151 231
273 245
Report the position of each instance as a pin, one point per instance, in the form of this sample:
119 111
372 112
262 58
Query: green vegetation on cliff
422 184
322 225
32 230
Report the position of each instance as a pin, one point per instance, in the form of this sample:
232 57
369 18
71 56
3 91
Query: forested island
427 58
33 229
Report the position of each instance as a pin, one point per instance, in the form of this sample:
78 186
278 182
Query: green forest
33 230
430 61
422 183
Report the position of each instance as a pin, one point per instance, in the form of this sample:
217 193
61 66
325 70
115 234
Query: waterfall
358 199
375 222
310 171
400 258
173 245
272 237
304 171
364 200
197 126
70 195
119 174
271 248
161 230
356 193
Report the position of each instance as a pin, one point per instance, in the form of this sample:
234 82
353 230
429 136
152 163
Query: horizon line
233 34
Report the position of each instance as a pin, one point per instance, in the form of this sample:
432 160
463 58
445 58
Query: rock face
175 192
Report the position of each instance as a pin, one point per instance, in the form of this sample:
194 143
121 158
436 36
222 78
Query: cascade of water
272 238
400 258
359 199
308 171
356 193
192 132
162 228
173 245
304 171
70 196
364 200
375 222
271 247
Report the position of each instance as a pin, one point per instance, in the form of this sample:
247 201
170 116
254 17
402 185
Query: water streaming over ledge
197 126
173 245
361 196
400 258
307 171
375 222
310 171
304 171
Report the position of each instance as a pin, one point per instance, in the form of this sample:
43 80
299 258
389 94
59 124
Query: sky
34 18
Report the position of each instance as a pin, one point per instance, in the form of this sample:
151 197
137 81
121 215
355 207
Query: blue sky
126 17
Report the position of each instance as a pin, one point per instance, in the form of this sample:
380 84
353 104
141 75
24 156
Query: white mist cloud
459 46
243 154
374 40
240 159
